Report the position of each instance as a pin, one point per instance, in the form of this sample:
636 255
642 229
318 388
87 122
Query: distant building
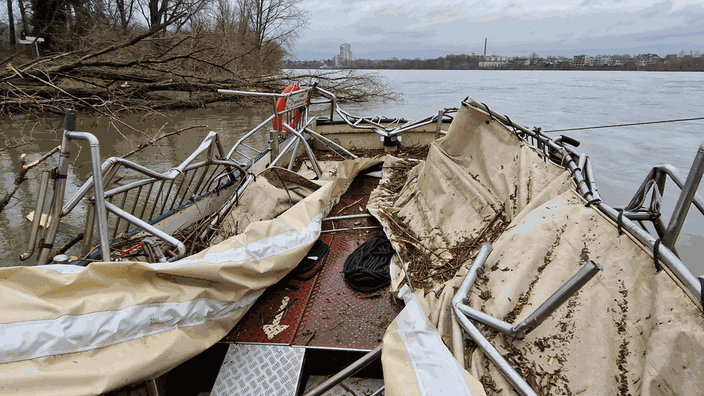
346 54
646 59
493 64
602 60
581 60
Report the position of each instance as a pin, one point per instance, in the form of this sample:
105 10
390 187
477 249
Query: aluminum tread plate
266 370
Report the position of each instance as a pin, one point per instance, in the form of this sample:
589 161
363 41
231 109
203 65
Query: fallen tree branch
153 141
17 145
22 175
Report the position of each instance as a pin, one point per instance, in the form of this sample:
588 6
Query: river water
622 157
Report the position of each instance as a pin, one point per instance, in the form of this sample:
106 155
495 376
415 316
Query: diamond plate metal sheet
337 316
323 311
266 370
350 386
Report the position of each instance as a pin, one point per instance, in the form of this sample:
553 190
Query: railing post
38 210
60 175
438 128
685 200
274 143
98 193
274 134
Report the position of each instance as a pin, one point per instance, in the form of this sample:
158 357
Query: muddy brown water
115 139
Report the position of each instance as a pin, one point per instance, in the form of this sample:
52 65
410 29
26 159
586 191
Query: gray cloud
386 28
656 9
364 30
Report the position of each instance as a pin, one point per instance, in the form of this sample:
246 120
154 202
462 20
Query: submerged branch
22 176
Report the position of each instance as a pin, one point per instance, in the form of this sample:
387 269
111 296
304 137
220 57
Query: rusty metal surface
337 316
278 301
324 312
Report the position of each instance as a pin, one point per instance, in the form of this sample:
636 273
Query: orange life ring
281 105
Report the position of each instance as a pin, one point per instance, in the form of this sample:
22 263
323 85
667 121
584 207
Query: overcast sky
378 29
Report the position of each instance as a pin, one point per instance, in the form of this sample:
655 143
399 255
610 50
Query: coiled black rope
318 253
366 270
310 265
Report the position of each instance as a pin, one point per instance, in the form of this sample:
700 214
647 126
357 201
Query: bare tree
224 14
11 22
23 15
157 12
118 12
273 23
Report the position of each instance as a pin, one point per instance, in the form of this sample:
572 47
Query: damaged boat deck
323 312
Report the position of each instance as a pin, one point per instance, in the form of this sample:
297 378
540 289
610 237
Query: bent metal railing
380 124
128 210
122 210
629 218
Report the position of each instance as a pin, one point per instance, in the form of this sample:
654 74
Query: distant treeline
473 62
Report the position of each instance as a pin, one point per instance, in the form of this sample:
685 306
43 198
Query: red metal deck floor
323 311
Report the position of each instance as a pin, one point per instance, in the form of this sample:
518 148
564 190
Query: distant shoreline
685 64
506 69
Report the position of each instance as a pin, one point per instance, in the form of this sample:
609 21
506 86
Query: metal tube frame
110 167
355 216
518 383
327 141
111 164
248 134
347 372
685 199
60 174
438 127
38 209
567 290
205 235
180 247
100 213
294 154
311 156
284 151
350 228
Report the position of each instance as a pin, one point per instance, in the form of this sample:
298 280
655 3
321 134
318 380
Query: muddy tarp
629 331
415 360
73 331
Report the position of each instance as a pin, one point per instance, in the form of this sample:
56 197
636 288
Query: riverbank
470 62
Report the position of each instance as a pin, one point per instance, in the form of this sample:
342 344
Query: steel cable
625 125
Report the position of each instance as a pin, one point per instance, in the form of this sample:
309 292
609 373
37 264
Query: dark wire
624 125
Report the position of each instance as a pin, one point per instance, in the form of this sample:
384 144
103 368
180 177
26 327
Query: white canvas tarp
73 331
629 331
